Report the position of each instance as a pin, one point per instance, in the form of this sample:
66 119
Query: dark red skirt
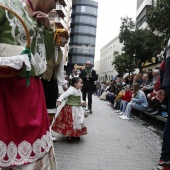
64 124
24 125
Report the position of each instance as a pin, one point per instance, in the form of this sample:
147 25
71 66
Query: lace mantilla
25 152
18 33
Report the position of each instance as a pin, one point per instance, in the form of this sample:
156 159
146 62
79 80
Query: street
111 144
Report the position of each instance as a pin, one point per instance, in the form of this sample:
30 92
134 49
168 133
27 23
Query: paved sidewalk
111 144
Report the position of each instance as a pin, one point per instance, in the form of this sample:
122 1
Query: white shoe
86 110
125 118
121 113
122 116
117 111
54 139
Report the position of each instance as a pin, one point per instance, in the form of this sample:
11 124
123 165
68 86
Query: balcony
60 22
61 11
63 2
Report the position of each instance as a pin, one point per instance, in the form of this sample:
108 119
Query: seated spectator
103 87
149 88
119 99
144 80
138 102
125 100
106 91
156 107
138 78
110 97
157 87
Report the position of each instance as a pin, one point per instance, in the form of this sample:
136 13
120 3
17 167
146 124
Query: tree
140 44
158 18
123 63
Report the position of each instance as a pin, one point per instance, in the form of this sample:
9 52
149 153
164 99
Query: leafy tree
140 44
123 63
158 18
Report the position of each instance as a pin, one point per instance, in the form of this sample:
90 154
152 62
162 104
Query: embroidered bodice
12 32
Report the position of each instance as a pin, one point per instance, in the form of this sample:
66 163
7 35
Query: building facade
83 32
107 71
60 18
143 7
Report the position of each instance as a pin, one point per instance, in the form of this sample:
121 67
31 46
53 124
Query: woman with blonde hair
138 102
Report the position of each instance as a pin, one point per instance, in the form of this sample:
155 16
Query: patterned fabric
47 162
64 123
24 127
52 65
74 100
12 32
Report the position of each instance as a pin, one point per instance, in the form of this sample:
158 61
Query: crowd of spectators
132 93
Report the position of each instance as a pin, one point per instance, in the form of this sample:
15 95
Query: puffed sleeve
66 94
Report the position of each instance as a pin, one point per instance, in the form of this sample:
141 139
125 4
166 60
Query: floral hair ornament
60 33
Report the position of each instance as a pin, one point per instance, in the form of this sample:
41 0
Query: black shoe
69 139
150 110
155 112
90 110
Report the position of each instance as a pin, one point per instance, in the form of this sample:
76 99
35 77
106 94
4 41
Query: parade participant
70 120
54 74
25 138
88 76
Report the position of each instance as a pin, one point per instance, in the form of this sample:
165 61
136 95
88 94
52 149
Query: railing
60 20
60 7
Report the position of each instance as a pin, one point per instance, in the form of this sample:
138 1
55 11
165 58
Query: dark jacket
88 83
166 75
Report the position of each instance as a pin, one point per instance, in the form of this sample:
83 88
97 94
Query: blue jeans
131 105
123 105
165 153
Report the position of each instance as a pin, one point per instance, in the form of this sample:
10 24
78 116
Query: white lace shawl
18 33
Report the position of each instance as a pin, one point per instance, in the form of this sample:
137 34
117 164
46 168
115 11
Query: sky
110 13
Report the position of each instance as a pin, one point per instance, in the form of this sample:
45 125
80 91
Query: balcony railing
60 21
61 10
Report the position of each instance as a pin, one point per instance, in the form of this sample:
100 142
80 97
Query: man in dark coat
88 76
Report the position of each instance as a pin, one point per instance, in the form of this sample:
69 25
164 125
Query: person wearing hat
54 74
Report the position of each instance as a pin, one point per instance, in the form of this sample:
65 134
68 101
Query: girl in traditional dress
70 121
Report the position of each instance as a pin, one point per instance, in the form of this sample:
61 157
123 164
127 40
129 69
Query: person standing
88 76
54 74
25 138
165 90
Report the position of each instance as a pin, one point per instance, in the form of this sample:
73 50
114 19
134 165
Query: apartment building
143 7
60 18
107 71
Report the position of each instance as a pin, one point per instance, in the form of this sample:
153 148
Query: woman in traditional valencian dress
70 120
25 139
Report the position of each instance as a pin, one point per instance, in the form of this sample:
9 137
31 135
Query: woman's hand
58 103
84 104
43 19
160 95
